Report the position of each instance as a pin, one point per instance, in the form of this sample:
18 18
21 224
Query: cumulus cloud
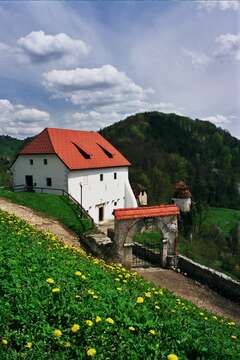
39 47
94 87
229 44
198 59
218 119
20 121
219 4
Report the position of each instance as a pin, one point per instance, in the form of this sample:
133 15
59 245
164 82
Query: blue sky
88 64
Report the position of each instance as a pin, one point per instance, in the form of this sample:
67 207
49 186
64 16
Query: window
115 203
101 177
31 161
49 181
45 161
115 176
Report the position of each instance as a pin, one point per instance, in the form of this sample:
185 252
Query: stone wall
216 280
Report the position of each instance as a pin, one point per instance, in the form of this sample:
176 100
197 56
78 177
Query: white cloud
198 59
218 119
20 121
229 44
96 87
219 4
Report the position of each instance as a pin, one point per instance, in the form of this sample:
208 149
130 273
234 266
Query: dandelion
28 345
89 322
83 277
206 318
95 297
55 290
67 344
4 341
91 352
57 333
172 357
110 321
50 281
157 307
131 328
152 332
140 300
148 294
214 317
78 273
75 328
91 292
234 337
98 319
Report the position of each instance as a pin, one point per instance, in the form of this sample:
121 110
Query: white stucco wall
110 193
55 169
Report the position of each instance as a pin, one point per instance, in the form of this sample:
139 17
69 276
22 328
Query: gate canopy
146 212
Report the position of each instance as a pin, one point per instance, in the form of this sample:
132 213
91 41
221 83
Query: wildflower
90 292
95 297
50 281
131 328
201 313
152 332
28 345
83 277
234 337
91 352
57 333
172 357
140 300
110 320
232 323
77 296
148 294
67 344
157 307
89 322
78 273
119 289
75 328
98 319
214 317
55 290
206 318
4 341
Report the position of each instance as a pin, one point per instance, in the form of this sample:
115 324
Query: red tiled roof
77 149
145 212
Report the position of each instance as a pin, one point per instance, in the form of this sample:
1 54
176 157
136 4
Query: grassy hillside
58 303
164 148
226 219
57 207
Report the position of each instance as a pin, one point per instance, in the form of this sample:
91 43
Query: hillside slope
164 148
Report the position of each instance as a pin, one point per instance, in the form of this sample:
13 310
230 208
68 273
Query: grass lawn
57 303
55 206
152 240
226 219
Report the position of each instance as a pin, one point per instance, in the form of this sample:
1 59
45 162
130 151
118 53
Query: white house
83 164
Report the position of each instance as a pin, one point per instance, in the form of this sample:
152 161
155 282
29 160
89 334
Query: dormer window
82 152
31 161
106 152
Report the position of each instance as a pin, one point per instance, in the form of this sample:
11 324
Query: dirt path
177 283
191 290
41 222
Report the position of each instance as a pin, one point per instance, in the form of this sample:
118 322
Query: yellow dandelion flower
214 317
57 333
75 328
152 332
83 277
78 273
98 319
28 345
4 341
140 300
67 344
91 352
55 290
95 297
232 323
157 307
131 328
89 322
110 321
50 281
172 357
234 337
148 294
206 318
90 292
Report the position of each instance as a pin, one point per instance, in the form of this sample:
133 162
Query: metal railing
83 212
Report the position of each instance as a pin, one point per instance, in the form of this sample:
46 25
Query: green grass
152 329
57 207
226 219
152 240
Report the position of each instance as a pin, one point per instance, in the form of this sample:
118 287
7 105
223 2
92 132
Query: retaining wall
216 280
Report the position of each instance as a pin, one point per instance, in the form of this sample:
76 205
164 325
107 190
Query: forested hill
164 148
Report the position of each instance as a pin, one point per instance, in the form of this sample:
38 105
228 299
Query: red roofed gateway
146 212
77 149
82 163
